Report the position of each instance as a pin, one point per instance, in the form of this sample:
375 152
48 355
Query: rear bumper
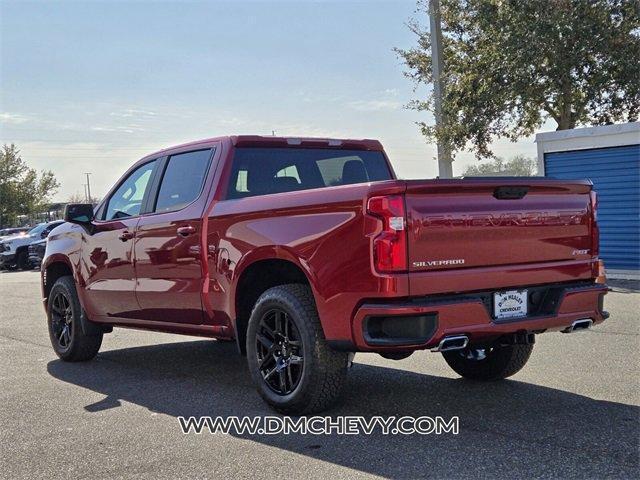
470 314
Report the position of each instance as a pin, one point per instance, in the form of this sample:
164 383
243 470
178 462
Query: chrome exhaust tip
583 324
453 342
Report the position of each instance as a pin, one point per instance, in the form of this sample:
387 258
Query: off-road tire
22 260
500 362
324 370
80 347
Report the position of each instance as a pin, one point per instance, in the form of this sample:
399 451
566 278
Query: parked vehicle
305 251
14 249
36 252
9 232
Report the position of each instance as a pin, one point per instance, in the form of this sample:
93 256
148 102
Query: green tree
511 64
22 190
77 198
517 166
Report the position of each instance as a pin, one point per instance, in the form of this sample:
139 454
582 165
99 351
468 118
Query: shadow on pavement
624 286
507 428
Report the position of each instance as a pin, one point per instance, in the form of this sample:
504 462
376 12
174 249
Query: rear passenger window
262 171
182 180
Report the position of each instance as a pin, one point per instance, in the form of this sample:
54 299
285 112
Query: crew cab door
168 244
107 253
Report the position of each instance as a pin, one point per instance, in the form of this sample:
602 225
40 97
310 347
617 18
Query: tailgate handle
510 193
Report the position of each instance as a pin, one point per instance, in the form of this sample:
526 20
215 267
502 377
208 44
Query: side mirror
80 213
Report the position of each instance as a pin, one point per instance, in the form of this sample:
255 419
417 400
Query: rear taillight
601 275
595 231
390 245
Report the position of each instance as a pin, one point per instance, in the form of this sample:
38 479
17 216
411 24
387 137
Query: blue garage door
615 173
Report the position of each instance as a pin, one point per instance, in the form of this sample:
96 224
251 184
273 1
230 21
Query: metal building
610 156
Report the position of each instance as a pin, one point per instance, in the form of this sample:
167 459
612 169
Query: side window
343 170
290 171
126 201
241 182
182 180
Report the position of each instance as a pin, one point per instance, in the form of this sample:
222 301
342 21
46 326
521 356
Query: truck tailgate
467 223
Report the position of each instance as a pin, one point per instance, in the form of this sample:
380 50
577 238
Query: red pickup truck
307 250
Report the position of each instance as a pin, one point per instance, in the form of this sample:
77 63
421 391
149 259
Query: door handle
126 235
186 231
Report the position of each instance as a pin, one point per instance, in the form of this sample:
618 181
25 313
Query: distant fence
54 211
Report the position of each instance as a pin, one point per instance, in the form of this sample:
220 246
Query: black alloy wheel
280 352
74 337
62 324
291 364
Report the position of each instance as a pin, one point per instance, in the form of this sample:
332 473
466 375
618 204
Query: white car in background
14 251
11 232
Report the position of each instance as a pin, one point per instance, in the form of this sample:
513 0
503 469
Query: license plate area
510 304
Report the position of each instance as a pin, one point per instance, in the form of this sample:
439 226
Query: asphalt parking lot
572 412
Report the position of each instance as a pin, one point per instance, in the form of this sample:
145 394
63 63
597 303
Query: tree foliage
22 190
511 64
517 166
77 198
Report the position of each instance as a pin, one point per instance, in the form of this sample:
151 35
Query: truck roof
283 142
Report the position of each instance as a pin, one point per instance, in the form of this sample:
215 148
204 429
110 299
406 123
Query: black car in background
36 252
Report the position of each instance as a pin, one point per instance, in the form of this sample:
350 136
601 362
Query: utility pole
88 188
445 169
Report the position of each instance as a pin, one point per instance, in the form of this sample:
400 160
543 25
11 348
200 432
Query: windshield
37 229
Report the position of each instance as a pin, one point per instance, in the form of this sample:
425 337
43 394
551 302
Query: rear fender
273 252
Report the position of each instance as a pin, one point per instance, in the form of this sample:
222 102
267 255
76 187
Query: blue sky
93 86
